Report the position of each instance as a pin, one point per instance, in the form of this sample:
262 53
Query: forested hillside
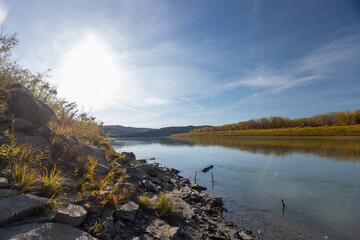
329 119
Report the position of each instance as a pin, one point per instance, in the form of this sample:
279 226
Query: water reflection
340 149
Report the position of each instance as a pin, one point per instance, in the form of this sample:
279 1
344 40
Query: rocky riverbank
94 193
196 215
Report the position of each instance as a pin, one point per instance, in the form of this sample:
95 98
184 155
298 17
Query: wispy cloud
317 65
131 109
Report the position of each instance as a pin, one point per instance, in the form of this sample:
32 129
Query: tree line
329 119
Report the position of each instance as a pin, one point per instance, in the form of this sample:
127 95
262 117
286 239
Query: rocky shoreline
101 191
197 215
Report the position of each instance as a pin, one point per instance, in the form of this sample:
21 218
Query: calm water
319 181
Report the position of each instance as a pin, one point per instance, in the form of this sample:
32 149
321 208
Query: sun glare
88 74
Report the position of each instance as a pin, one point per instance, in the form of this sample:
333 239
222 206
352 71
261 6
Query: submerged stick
283 205
212 177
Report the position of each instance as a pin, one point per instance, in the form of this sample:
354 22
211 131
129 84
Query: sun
88 74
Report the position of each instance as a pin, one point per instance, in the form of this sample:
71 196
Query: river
318 180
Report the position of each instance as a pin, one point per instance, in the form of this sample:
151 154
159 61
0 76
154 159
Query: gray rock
99 154
46 133
35 141
6 193
22 125
151 169
244 236
127 211
198 187
21 104
161 230
73 215
3 182
138 172
163 178
155 180
132 179
42 231
16 208
150 186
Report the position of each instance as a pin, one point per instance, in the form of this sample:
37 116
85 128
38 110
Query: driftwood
207 168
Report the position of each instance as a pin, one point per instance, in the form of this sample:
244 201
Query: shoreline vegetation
323 131
329 124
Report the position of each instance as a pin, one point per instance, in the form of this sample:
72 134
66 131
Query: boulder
159 229
3 182
132 179
73 215
42 231
150 186
138 172
21 125
151 169
37 142
47 133
22 104
127 211
15 208
126 157
198 187
97 153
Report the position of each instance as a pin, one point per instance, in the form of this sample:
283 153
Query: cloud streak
317 65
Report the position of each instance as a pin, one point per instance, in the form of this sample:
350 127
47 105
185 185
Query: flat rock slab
42 231
6 193
161 230
73 215
127 211
15 208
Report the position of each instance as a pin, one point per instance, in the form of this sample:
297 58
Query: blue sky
153 63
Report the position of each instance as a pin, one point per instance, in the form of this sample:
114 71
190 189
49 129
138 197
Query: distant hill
121 131
118 130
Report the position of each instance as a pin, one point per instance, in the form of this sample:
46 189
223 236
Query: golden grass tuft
145 203
51 183
164 207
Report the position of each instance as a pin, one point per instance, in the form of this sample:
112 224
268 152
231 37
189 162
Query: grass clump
145 203
117 195
52 183
23 175
164 207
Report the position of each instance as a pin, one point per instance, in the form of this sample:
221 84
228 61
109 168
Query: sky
157 63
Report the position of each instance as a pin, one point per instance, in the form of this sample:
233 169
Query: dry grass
51 183
164 207
145 203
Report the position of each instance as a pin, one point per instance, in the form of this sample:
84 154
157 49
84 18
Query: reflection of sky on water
321 195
